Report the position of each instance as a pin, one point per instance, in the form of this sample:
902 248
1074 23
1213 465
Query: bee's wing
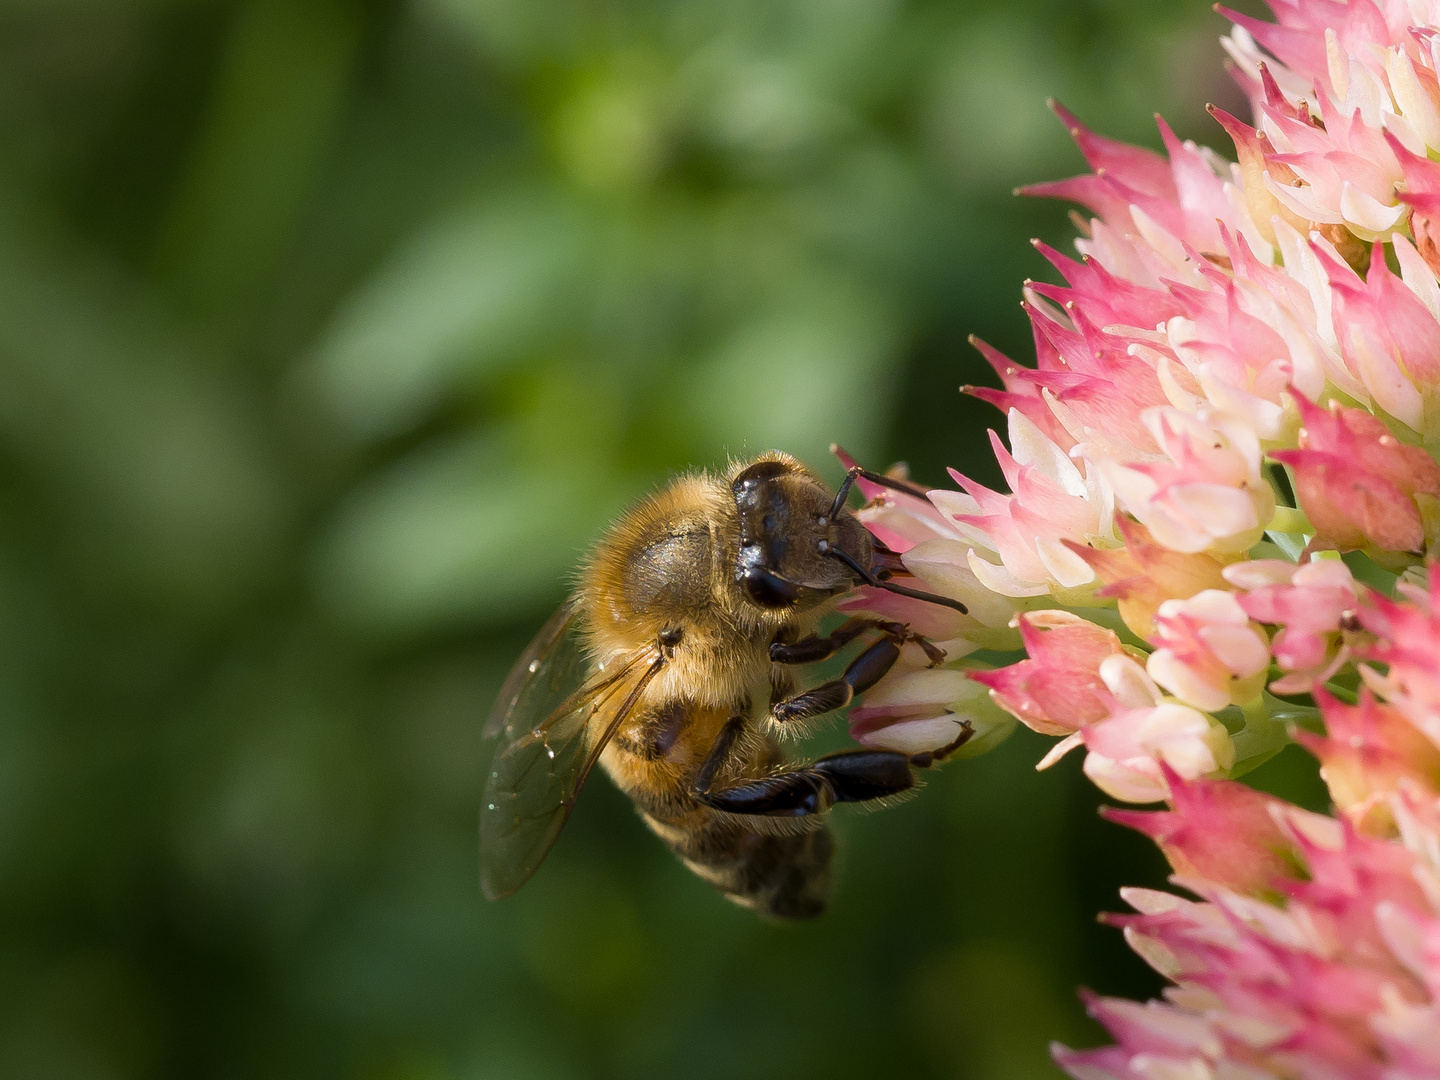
542 758
548 671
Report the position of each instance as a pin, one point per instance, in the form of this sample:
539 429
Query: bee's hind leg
848 776
861 775
790 794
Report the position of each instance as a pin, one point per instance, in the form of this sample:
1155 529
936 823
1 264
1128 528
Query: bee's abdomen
786 877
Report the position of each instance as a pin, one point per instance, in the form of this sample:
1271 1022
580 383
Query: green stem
1264 735
1290 521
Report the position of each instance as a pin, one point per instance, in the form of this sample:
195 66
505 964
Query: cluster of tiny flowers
1238 383
1235 403
1314 949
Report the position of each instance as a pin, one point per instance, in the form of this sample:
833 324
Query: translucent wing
548 671
545 744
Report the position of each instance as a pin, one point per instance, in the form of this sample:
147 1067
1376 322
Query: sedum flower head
1233 419
1237 381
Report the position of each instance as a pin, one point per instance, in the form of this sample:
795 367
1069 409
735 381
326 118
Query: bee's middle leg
864 671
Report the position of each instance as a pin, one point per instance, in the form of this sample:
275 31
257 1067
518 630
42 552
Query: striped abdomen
784 874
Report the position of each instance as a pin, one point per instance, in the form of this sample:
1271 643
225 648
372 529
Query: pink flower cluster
1313 951
1237 384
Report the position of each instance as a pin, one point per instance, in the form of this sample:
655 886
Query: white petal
915 736
1151 901
1183 681
1331 573
1302 264
1127 680
1369 218
1265 418
1301 201
928 686
951 503
1059 750
1031 446
999 579
945 567
1133 489
1217 510
1209 605
1258 573
1366 93
1414 103
1137 781
1066 567
1168 246
1405 134
1385 380
1403 935
1418 276
1326 832
1337 63
1239 648
1176 394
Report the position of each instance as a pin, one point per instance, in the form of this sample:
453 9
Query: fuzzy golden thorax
730 560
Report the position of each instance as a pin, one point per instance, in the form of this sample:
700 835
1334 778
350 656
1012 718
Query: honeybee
671 666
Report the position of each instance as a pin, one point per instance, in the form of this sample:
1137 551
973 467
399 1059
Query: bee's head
788 537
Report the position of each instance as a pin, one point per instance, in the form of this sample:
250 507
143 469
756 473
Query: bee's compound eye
768 590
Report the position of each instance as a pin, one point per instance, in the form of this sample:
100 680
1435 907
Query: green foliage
330 333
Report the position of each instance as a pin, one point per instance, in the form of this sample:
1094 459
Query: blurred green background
330 333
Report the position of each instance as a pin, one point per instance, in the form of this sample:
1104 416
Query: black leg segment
934 757
792 794
864 672
719 751
848 776
860 775
813 649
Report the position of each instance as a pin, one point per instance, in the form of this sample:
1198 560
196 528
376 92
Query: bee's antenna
894 483
889 586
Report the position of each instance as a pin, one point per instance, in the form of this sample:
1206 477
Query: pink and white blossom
1313 951
1058 689
1128 751
1144 574
1224 324
1208 652
1357 483
1310 601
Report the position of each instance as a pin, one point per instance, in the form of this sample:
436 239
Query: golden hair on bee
672 667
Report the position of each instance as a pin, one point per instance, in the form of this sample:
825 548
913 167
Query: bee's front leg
813 649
